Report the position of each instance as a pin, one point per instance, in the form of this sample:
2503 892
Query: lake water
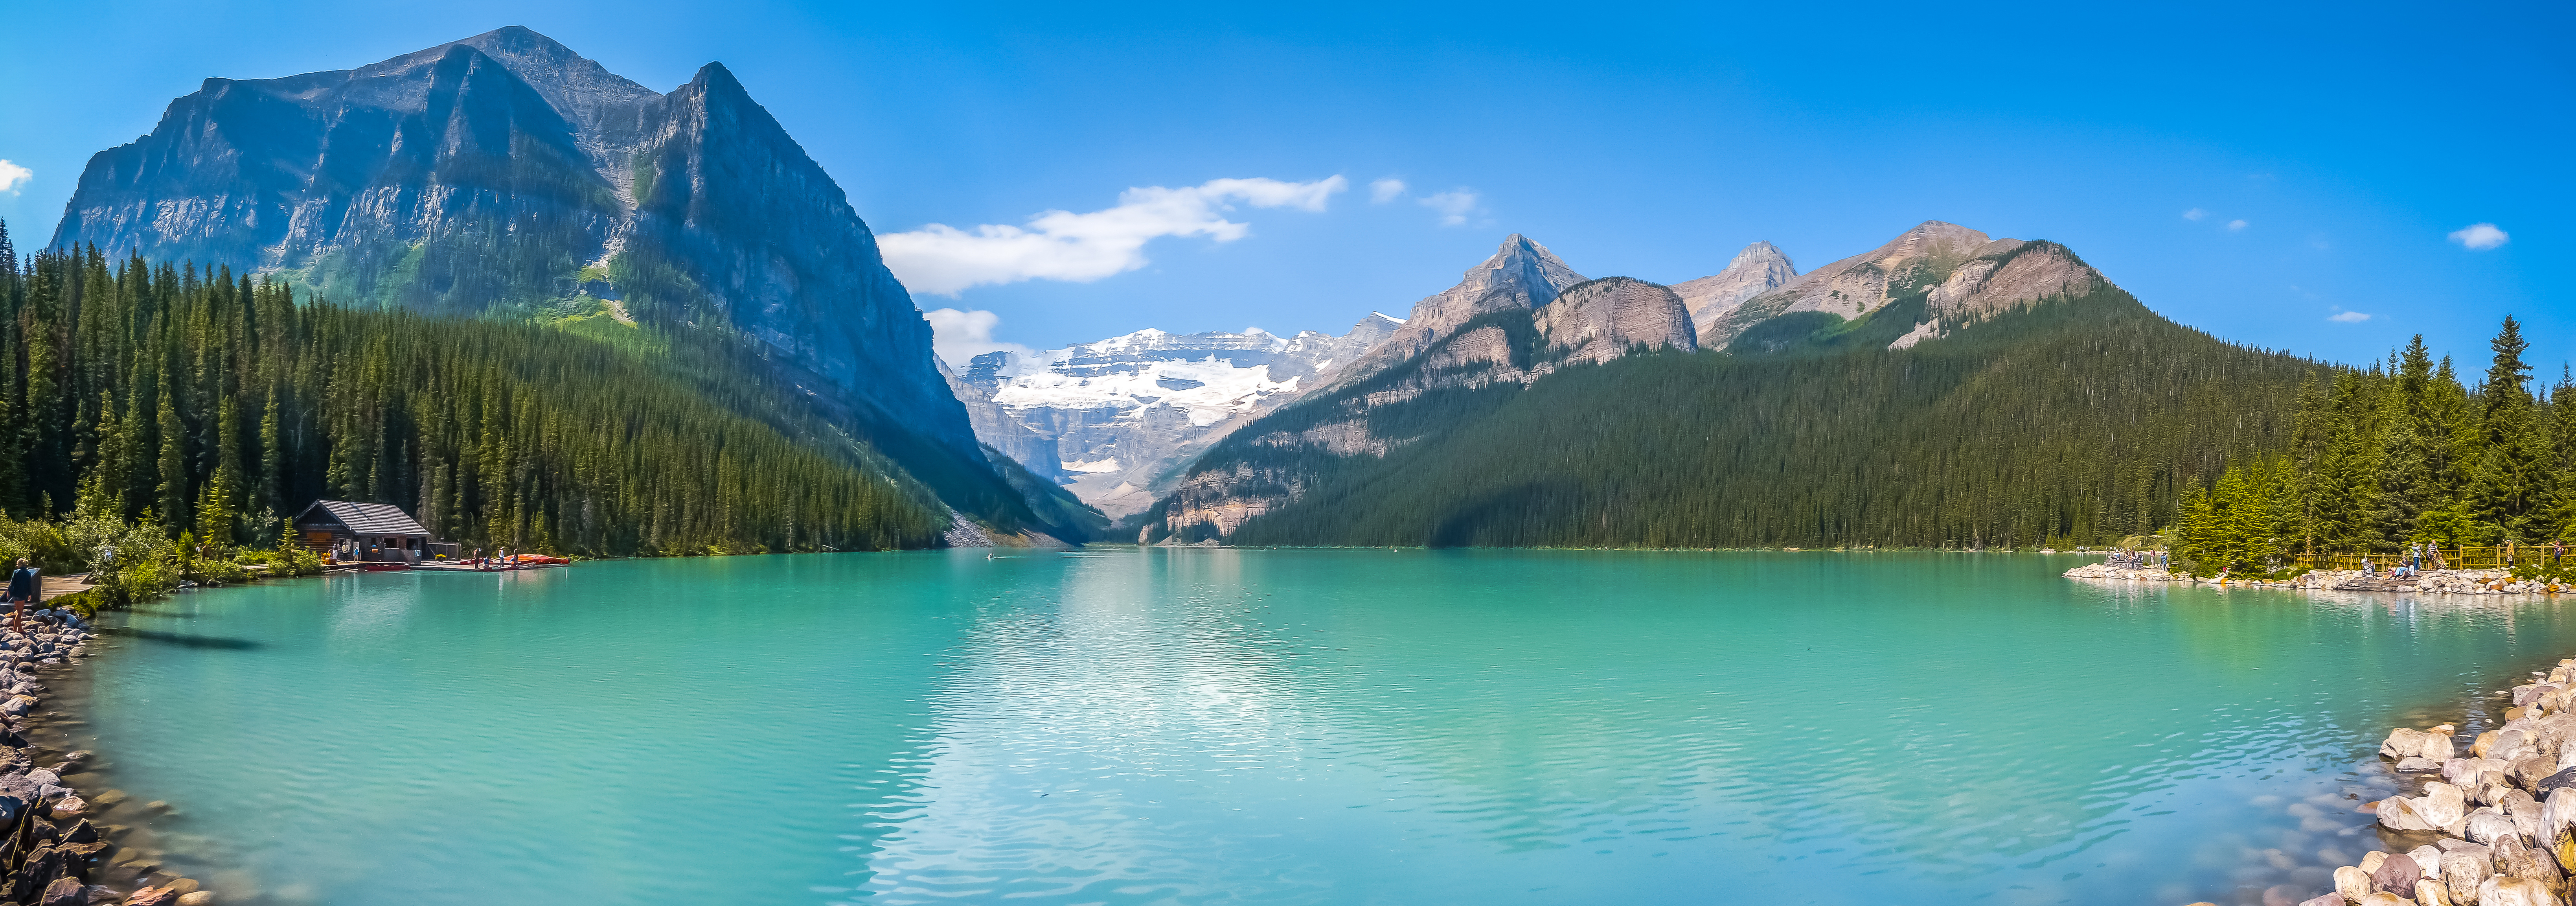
1125 726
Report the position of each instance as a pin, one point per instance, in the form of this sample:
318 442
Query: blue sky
2332 150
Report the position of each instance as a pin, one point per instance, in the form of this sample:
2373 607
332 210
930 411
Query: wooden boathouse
366 532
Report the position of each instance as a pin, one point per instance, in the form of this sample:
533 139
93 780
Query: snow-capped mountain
1119 413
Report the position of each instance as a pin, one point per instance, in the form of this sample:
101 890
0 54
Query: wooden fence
2452 556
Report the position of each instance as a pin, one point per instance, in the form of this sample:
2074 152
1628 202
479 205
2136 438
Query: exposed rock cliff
505 173
1953 271
2005 273
1521 275
1505 347
1759 268
1604 319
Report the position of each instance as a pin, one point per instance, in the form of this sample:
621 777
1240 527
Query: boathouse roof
363 518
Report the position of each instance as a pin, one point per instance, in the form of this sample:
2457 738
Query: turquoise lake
1126 726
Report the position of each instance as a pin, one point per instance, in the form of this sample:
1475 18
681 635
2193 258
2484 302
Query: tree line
2079 419
205 401
2398 454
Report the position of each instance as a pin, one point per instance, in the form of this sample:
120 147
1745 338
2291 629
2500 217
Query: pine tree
174 459
2408 482
2507 491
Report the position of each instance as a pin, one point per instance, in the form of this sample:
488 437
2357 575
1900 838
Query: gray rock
2417 763
2486 825
2442 804
2543 787
2398 813
2465 866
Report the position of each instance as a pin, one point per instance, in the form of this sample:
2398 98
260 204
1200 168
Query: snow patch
1212 389
1105 465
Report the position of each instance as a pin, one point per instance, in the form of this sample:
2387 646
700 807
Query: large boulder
2515 892
2465 868
2403 743
2487 825
2398 813
2429 892
2544 786
2397 875
2442 805
2353 883
2427 858
2518 859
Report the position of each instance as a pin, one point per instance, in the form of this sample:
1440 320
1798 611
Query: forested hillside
213 403
2069 420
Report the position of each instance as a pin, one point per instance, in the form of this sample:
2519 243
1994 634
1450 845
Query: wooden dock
58 586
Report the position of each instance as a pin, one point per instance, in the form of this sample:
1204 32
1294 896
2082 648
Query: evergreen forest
2396 455
204 402
2077 420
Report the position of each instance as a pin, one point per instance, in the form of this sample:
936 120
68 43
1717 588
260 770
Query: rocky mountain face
1759 268
1372 409
1115 419
1938 269
1523 315
504 174
1521 275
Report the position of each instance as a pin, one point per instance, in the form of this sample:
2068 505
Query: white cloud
1454 205
14 177
2236 224
2476 235
2348 317
960 335
1061 245
1385 190
2194 214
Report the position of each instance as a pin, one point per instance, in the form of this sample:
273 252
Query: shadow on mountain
1490 520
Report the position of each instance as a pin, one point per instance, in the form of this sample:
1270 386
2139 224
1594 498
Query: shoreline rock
50 851
2494 820
2446 581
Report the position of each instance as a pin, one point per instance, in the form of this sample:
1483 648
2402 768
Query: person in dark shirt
25 583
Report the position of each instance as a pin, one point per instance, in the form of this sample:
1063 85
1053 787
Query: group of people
2138 559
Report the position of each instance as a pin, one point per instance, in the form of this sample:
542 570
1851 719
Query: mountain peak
1521 266
1521 274
1759 268
1761 252
1934 239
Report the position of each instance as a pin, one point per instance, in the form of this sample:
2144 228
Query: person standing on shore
25 584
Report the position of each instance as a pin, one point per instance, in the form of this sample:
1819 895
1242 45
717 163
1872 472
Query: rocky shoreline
2498 828
2445 581
54 853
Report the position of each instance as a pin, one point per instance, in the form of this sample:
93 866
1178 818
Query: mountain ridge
1366 441
505 175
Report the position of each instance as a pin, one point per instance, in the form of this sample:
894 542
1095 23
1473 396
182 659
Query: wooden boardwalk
58 586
